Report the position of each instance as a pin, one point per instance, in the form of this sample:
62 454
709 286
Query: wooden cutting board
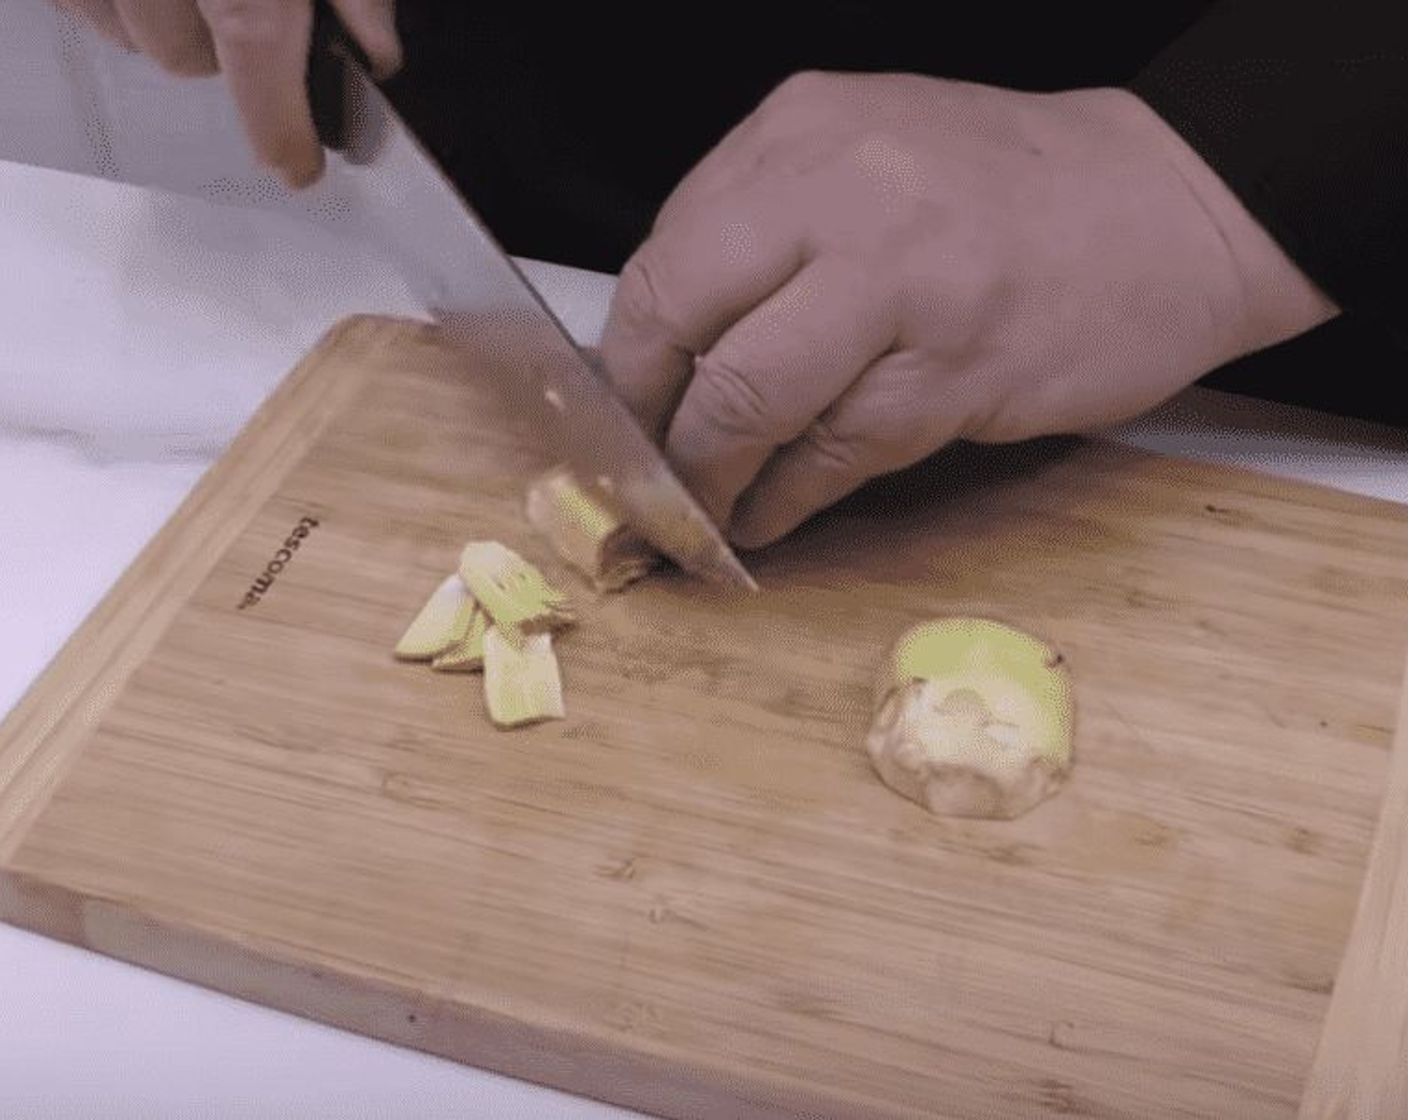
693 896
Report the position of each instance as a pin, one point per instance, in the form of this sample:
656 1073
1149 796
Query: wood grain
1361 1064
52 719
692 896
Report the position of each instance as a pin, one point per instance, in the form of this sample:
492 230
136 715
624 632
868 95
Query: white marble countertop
141 330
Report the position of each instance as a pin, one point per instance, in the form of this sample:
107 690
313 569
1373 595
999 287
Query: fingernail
383 47
388 60
744 533
301 177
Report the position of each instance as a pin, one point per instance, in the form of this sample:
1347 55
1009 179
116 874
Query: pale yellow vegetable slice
973 718
522 684
466 655
584 528
442 621
512 591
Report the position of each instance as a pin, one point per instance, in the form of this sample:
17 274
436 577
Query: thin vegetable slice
466 655
442 622
522 684
514 594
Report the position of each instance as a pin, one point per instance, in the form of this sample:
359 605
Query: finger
262 46
373 24
890 418
102 16
692 280
172 33
772 374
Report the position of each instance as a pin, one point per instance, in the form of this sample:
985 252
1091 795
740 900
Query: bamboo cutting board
692 896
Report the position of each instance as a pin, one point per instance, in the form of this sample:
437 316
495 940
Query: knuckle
730 395
836 451
636 292
643 297
889 163
800 86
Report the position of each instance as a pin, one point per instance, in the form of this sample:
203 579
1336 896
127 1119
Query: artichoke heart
585 530
972 718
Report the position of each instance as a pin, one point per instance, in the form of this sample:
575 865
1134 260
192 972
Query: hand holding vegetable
871 266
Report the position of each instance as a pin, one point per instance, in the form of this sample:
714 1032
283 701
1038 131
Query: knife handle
328 81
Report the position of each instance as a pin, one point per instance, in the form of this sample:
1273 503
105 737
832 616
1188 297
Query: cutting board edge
75 688
254 971
1299 487
1358 1068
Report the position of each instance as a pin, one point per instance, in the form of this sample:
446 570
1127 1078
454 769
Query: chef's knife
468 280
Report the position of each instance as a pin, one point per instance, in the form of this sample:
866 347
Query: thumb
890 418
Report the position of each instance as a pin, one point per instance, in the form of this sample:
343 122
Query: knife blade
466 278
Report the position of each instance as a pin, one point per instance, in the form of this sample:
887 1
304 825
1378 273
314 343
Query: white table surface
140 330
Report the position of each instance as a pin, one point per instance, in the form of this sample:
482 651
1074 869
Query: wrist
1271 299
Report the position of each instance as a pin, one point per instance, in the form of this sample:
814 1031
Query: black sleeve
1301 107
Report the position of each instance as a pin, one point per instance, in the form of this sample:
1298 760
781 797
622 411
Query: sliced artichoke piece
582 526
522 684
466 655
442 622
514 594
972 718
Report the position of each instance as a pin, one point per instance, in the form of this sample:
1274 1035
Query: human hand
261 46
872 266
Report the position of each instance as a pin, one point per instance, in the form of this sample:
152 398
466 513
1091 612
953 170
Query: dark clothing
1302 109
567 137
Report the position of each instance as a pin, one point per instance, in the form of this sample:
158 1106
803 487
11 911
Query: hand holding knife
420 220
